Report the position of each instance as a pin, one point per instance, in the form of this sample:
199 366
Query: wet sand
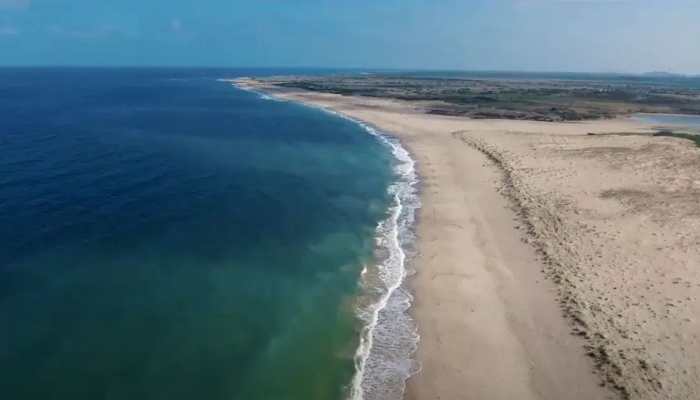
553 264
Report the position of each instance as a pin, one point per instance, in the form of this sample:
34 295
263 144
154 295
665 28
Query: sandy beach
555 260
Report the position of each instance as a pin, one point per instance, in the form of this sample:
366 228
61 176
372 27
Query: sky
523 35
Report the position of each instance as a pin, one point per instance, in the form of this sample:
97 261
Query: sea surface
165 235
686 123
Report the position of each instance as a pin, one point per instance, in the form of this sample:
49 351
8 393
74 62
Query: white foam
262 95
389 338
383 360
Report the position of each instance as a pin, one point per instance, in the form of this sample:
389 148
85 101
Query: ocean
685 123
166 235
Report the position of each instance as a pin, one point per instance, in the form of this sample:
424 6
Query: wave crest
388 340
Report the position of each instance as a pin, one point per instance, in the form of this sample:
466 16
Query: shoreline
489 296
414 388
392 270
394 234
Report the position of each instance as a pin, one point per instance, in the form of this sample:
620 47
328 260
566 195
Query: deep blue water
167 236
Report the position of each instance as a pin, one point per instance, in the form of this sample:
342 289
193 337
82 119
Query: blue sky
542 35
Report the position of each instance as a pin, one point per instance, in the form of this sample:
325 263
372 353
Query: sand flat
550 260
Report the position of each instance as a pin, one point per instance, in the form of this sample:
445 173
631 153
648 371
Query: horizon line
358 69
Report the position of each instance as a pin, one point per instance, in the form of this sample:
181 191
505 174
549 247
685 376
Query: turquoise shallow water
166 236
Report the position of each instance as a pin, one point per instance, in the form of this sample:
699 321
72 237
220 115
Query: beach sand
552 263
